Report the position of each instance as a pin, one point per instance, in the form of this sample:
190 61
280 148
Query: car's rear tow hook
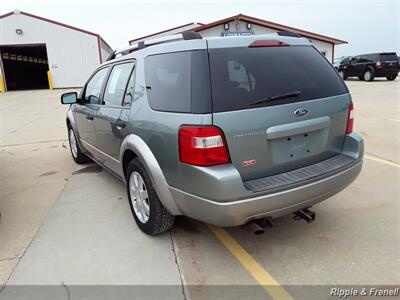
305 214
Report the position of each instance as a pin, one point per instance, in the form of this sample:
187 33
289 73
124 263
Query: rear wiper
276 97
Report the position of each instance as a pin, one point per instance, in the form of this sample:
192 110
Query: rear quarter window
242 76
178 82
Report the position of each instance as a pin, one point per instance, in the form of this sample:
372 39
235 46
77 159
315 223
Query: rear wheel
368 75
78 156
391 77
148 212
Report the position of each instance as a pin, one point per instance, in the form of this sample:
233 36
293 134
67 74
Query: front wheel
78 156
342 75
391 77
150 215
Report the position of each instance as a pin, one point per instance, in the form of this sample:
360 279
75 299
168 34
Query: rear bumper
275 204
385 72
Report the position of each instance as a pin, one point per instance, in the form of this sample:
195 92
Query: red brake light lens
267 43
202 146
350 118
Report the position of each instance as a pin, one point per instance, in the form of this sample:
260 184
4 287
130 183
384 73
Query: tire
391 77
78 156
341 73
368 75
361 77
149 214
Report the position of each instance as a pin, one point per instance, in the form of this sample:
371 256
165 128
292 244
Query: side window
345 61
130 89
168 81
354 60
239 76
93 87
116 85
372 58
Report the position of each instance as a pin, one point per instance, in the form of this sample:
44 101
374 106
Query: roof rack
187 35
289 33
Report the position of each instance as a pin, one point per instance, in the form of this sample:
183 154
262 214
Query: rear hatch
280 107
389 61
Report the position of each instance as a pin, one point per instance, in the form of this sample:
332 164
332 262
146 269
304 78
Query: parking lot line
382 161
268 282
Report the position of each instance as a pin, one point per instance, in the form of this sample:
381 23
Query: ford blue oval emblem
300 112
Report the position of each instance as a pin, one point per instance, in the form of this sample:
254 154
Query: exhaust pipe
252 226
305 214
264 223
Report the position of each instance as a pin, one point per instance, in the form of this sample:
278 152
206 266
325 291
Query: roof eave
164 31
277 26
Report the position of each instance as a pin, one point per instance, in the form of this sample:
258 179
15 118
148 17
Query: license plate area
294 147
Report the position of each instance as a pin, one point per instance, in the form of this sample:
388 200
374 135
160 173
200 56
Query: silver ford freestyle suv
224 130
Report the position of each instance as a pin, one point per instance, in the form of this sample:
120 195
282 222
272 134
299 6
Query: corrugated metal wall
72 54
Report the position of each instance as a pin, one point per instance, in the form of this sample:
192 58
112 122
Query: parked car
223 130
368 66
340 61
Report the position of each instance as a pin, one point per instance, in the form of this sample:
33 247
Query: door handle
90 117
119 124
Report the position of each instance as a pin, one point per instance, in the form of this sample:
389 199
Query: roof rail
289 33
187 35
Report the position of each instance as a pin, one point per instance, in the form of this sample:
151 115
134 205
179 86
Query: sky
368 26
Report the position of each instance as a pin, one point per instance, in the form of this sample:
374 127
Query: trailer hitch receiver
305 214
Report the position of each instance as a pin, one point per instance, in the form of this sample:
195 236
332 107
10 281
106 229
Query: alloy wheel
72 143
139 197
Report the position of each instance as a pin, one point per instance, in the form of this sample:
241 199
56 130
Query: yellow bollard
50 81
2 87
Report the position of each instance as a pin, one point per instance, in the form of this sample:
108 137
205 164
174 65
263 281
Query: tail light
350 118
378 64
202 146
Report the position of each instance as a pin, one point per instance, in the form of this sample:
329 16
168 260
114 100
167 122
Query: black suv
369 66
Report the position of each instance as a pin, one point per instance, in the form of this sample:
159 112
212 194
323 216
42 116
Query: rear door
112 117
280 108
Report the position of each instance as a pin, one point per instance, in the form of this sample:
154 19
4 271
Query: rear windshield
389 57
242 76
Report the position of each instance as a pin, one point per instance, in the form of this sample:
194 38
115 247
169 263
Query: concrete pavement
34 167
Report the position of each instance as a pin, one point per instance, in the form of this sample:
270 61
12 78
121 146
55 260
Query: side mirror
69 98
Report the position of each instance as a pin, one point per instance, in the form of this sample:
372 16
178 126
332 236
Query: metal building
246 25
38 53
